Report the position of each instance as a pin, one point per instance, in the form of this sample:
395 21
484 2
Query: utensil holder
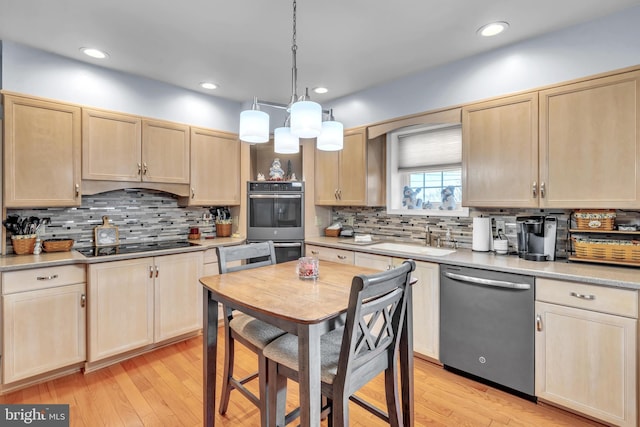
23 244
223 230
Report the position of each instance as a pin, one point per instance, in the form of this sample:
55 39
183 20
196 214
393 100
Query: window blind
432 149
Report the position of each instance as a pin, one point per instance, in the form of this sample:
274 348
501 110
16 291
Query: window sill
462 212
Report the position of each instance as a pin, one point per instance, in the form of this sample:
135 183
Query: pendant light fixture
305 117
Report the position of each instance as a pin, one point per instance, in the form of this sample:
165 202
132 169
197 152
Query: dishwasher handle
487 282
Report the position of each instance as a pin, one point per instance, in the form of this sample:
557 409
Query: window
425 171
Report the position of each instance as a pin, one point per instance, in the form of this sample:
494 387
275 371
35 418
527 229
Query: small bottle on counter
38 247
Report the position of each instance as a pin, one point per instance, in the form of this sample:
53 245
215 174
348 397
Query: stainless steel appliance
275 211
537 237
486 326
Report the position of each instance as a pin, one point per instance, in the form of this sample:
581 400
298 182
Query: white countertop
623 277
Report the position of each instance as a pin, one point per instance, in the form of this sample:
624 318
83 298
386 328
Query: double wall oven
275 211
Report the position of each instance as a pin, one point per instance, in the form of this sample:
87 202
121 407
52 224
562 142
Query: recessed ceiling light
493 29
321 90
208 85
94 53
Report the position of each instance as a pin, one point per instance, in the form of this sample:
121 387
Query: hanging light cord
294 69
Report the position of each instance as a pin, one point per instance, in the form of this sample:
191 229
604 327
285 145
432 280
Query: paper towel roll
482 235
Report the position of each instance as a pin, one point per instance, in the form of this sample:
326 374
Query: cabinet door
178 295
42 331
120 307
353 169
41 153
215 168
165 152
111 146
426 309
327 173
590 143
586 361
500 152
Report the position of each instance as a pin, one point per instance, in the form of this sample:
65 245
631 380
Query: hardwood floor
164 388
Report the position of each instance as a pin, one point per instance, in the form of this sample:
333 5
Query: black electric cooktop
132 248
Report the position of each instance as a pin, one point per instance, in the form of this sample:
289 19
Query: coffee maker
537 237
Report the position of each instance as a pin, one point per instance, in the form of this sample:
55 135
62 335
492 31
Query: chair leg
391 392
340 411
228 373
263 372
276 395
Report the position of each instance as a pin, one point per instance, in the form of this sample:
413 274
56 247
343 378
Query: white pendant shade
254 126
332 136
306 119
284 142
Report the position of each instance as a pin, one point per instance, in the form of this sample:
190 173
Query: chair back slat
377 306
228 254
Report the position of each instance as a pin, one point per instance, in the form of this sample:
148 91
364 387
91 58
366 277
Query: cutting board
105 234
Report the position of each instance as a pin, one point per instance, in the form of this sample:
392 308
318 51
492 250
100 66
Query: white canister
482 235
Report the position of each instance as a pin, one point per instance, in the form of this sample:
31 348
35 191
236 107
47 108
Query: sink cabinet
141 302
586 349
353 176
41 153
426 300
43 322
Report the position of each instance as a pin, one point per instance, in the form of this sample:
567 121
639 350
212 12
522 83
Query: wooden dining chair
353 355
252 333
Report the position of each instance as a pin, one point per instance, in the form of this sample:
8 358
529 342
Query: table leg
209 353
406 364
309 375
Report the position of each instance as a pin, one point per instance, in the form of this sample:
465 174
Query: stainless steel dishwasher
487 325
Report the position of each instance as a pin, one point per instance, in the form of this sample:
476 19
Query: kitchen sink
412 249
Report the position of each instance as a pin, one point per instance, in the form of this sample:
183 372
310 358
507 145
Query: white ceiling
245 45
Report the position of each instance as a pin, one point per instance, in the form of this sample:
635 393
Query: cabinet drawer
41 278
210 256
622 302
330 254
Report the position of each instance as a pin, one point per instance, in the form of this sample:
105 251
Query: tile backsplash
378 223
140 215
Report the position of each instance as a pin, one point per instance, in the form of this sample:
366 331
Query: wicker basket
612 250
23 244
57 245
332 232
595 219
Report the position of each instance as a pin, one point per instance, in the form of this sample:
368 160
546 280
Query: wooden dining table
305 307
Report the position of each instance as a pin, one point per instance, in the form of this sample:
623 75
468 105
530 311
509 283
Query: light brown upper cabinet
41 153
500 152
590 143
353 176
215 168
122 147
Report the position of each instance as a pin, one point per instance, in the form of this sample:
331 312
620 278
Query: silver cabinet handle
157 271
538 323
535 189
151 272
583 296
54 276
315 252
487 282
542 189
335 194
193 193
139 169
342 257
83 300
77 190
144 168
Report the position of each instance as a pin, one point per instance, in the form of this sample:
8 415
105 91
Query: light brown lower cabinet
43 321
139 302
426 300
586 349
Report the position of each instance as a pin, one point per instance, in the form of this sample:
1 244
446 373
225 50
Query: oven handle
287 245
275 196
487 282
